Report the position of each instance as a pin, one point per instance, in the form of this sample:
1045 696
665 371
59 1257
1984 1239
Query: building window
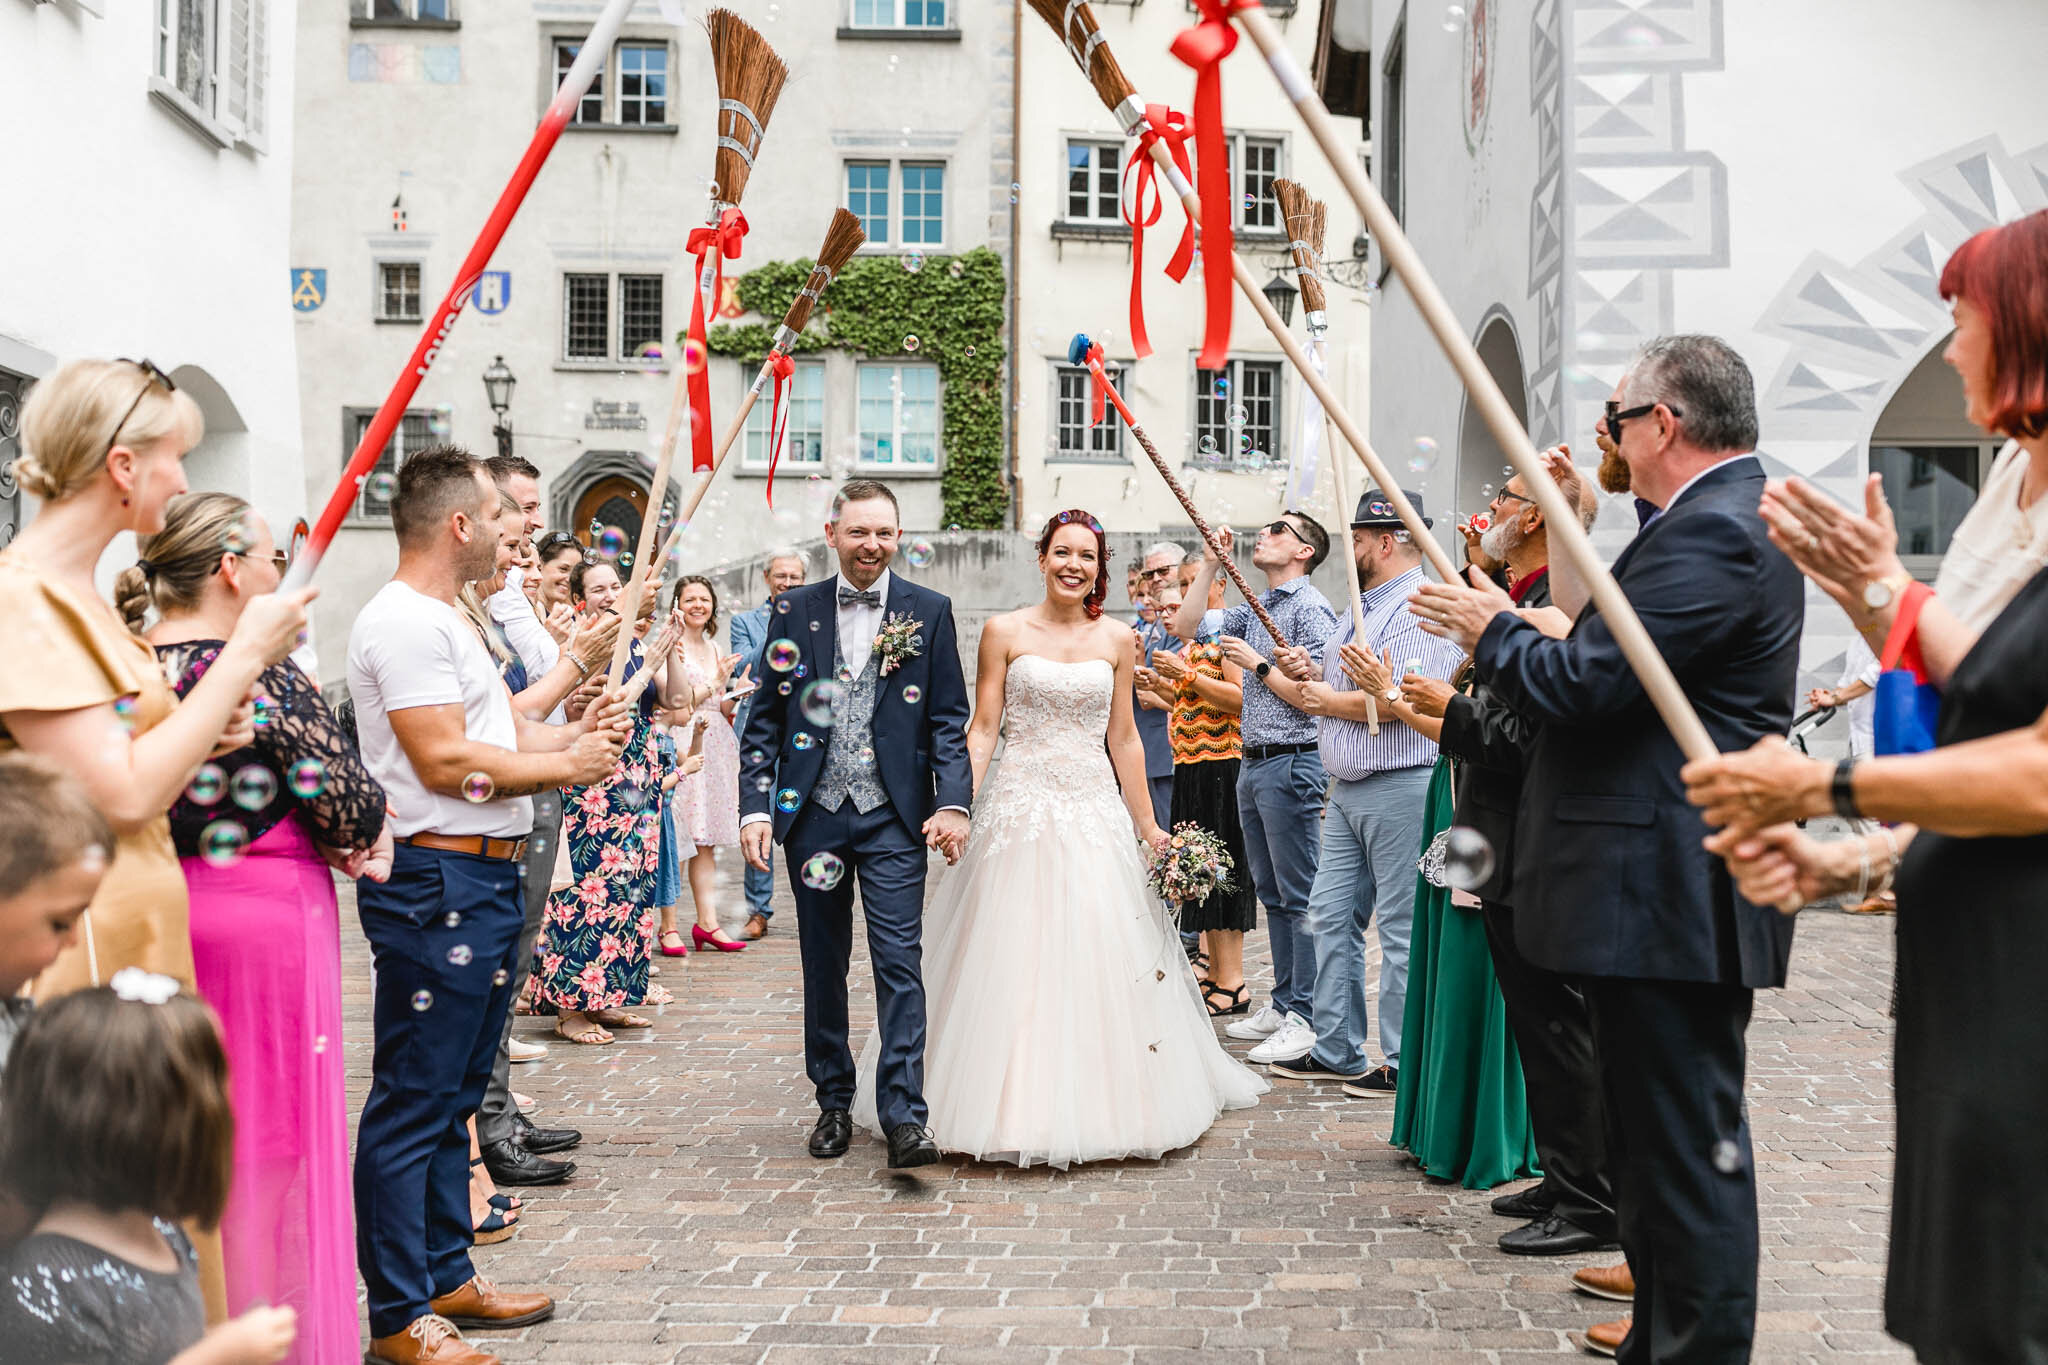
184 49
398 291
897 14
867 198
1387 140
211 61
415 433
629 91
403 11
590 302
1093 171
899 415
924 203
1073 438
1237 414
1930 486
1257 209
803 403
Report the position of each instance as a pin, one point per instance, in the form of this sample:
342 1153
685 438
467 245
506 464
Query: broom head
1084 41
750 75
842 239
1304 218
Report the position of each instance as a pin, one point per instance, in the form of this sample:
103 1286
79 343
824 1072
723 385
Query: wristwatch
1262 670
1392 694
1843 790
1879 592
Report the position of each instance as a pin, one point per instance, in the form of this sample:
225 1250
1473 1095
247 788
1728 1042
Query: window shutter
233 66
257 124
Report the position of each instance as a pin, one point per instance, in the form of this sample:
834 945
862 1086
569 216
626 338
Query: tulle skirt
1065 1024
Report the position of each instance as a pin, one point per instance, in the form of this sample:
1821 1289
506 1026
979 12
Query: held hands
1373 676
1767 784
946 831
1317 699
1839 550
1459 613
1426 696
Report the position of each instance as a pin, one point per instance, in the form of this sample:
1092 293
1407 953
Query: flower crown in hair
141 987
1091 523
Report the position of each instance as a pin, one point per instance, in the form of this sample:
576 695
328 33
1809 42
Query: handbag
1906 705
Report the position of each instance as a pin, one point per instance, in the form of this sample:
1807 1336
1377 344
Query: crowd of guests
1571 929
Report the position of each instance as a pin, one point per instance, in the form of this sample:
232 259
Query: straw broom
1075 24
1559 515
750 78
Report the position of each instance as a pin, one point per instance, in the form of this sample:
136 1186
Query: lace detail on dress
1054 779
298 729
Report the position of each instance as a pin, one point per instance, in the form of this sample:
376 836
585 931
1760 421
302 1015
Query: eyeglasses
1505 496
1159 573
151 377
281 558
1277 527
1615 416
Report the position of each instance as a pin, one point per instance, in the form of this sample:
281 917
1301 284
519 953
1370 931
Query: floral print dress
593 949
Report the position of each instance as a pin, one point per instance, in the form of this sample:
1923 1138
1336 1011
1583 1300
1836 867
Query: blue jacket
749 636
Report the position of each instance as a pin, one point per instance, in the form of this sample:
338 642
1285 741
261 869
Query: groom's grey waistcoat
850 748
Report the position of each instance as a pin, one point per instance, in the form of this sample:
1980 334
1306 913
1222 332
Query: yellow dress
67 651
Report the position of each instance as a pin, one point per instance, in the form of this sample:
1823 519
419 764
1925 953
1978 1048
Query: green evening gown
1460 1108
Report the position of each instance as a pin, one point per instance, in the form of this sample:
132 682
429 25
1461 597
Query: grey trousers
495 1115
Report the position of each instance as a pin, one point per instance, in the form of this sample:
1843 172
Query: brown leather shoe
757 925
482 1304
1606 1282
428 1341
1605 1338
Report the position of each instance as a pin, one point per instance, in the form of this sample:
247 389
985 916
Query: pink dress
709 799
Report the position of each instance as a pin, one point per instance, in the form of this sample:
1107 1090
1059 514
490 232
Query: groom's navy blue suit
918 742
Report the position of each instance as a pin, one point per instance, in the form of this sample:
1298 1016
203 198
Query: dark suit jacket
920 746
1610 878
1488 739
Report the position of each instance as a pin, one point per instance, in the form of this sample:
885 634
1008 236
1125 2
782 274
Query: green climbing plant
953 306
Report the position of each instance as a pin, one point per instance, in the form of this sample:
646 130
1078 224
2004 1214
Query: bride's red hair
1074 516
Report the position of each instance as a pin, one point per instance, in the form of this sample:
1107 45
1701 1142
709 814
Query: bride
1065 1023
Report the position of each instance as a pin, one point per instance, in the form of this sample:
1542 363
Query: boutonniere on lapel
897 640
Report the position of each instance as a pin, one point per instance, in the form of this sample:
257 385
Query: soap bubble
821 702
383 484
782 655
124 711
822 871
596 527
422 1001
970 350
262 710
453 919
695 357
784 689
1454 18
610 542
782 606
237 540
207 785
803 739
459 955
788 799
1422 456
1222 386
223 842
307 778
956 270
866 754
254 787
319 1044
911 694
918 553
914 262
910 343
500 977
1235 415
477 787
1486 492
1727 1157
625 562
762 783
1015 190
1468 858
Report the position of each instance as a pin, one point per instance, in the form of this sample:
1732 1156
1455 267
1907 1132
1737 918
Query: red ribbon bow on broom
1204 47
720 241
782 367
1162 124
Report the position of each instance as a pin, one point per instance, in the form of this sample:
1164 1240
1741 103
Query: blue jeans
760 886
1372 837
1279 800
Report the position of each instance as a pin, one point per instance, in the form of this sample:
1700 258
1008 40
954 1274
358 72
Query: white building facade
1073 275
1583 175
413 113
152 170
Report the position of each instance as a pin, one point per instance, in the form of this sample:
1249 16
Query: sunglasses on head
151 377
1615 416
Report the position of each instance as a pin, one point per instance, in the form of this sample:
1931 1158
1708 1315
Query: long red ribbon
720 241
782 367
1204 47
1162 124
1098 383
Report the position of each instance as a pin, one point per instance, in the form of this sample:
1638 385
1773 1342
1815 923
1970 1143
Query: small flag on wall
398 212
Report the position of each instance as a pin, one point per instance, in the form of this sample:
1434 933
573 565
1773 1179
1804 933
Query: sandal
620 1019
590 1034
495 1228
1200 962
659 995
504 1203
1235 1002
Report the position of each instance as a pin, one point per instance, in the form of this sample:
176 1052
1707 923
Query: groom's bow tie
866 597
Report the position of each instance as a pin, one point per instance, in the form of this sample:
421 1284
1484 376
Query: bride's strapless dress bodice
1065 1025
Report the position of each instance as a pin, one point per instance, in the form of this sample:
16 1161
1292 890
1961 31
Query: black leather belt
1254 752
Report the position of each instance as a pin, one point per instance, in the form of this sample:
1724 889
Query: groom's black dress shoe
543 1140
511 1164
833 1135
1552 1235
1531 1203
910 1144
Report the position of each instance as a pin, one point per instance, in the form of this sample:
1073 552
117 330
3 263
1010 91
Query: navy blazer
920 746
1609 876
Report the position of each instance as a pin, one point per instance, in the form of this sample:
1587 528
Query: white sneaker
523 1051
1264 1024
1296 1039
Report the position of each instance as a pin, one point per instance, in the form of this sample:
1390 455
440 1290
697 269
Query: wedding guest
56 853
114 1112
1372 830
710 804
1281 779
102 445
1206 692
256 833
592 954
750 633
1160 566
555 554
668 867
1669 963
457 763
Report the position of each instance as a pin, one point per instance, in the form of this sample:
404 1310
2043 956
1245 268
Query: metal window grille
586 317
867 197
399 291
804 401
1252 384
415 433
1092 181
643 83
924 203
639 313
1073 438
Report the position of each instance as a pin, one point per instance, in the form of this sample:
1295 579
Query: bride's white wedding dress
1065 1023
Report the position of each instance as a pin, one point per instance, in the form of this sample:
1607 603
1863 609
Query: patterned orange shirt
1200 732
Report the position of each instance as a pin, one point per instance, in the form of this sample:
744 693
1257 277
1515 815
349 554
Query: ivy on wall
953 306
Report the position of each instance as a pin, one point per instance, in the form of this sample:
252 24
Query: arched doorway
612 502
1480 457
1932 459
608 487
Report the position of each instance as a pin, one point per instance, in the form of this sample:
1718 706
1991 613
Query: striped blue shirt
1306 619
1350 750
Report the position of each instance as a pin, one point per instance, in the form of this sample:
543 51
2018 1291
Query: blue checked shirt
1350 750
1306 618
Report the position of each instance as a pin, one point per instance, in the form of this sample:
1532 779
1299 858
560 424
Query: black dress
68 1303
1968 1279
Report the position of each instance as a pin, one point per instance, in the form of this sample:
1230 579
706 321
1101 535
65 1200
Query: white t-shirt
538 653
405 650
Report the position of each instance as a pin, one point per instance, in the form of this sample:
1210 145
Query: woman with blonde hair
256 832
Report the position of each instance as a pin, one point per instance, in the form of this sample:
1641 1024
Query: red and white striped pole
589 61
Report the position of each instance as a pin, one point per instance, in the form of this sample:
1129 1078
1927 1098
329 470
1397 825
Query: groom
857 784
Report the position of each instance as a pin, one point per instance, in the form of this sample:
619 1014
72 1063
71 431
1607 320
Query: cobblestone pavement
697 1229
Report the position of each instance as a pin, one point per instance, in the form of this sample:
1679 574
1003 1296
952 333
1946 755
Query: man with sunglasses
1611 884
1160 566
1280 784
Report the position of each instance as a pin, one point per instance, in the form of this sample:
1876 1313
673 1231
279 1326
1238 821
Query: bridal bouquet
1194 864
